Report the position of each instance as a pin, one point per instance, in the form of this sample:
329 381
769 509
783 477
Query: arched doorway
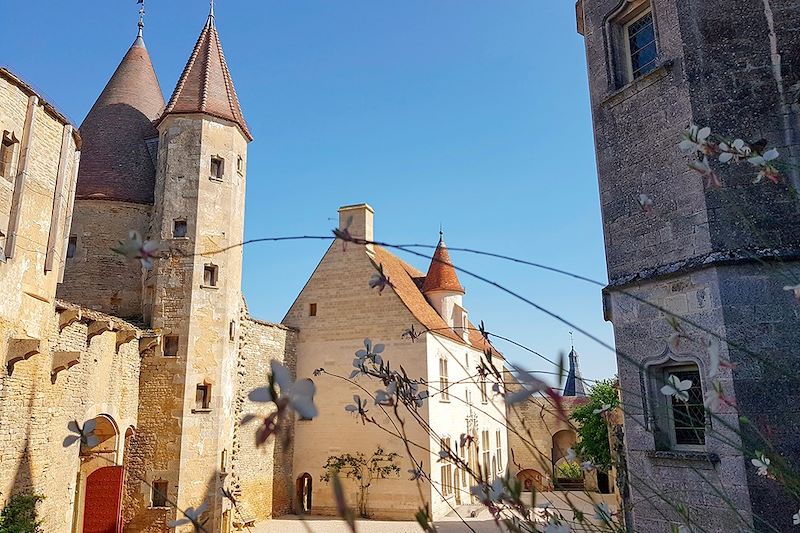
304 489
98 503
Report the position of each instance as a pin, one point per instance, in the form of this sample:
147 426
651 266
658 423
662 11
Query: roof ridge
210 31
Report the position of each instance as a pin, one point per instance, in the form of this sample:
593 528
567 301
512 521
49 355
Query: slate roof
206 85
116 163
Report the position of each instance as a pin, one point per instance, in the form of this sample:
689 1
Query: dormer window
217 168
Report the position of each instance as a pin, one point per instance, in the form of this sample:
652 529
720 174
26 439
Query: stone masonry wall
96 277
36 407
262 475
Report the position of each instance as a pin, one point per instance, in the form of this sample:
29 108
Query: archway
304 490
568 475
98 503
532 480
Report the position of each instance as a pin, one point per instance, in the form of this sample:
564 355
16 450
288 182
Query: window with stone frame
499 449
179 229
678 423
171 343
240 165
634 41
158 496
444 380
217 168
446 469
486 454
484 394
210 275
202 400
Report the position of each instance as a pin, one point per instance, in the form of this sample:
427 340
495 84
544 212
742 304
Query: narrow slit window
202 400
312 310
217 168
232 330
159 496
240 165
444 380
179 229
171 346
72 246
210 273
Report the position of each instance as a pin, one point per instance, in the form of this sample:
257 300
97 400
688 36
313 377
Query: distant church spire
574 385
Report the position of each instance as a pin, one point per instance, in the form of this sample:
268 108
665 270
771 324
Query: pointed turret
116 162
441 274
206 85
574 385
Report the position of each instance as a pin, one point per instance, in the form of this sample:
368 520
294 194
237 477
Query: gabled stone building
719 257
333 314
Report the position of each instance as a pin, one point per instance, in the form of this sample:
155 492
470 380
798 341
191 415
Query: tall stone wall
75 376
718 256
96 277
262 475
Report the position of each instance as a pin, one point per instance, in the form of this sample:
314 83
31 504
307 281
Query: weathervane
141 17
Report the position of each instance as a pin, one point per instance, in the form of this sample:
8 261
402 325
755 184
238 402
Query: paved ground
482 523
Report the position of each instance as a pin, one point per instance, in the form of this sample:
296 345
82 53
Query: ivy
592 428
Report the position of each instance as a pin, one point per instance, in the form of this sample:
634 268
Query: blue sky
472 114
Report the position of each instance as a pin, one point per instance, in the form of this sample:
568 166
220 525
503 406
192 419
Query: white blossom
416 473
83 434
571 455
605 408
299 395
530 386
703 168
587 466
795 289
135 248
796 518
489 494
736 151
762 463
764 163
677 388
696 139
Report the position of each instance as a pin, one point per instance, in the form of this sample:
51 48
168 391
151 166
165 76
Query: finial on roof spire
141 18
571 340
211 13
441 231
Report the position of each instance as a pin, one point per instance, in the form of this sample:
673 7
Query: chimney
360 218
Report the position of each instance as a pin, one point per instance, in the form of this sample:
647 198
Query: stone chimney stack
360 217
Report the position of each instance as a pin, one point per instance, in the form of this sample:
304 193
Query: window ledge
626 91
683 455
201 410
218 180
215 287
442 400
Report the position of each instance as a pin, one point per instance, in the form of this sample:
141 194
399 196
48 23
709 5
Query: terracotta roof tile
405 279
206 85
441 274
116 163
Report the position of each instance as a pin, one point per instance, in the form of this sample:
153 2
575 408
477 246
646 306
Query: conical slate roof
116 163
206 85
574 385
441 274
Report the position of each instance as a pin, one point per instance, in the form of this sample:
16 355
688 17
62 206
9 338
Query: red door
103 507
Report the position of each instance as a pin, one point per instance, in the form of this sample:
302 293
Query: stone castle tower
719 257
176 174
